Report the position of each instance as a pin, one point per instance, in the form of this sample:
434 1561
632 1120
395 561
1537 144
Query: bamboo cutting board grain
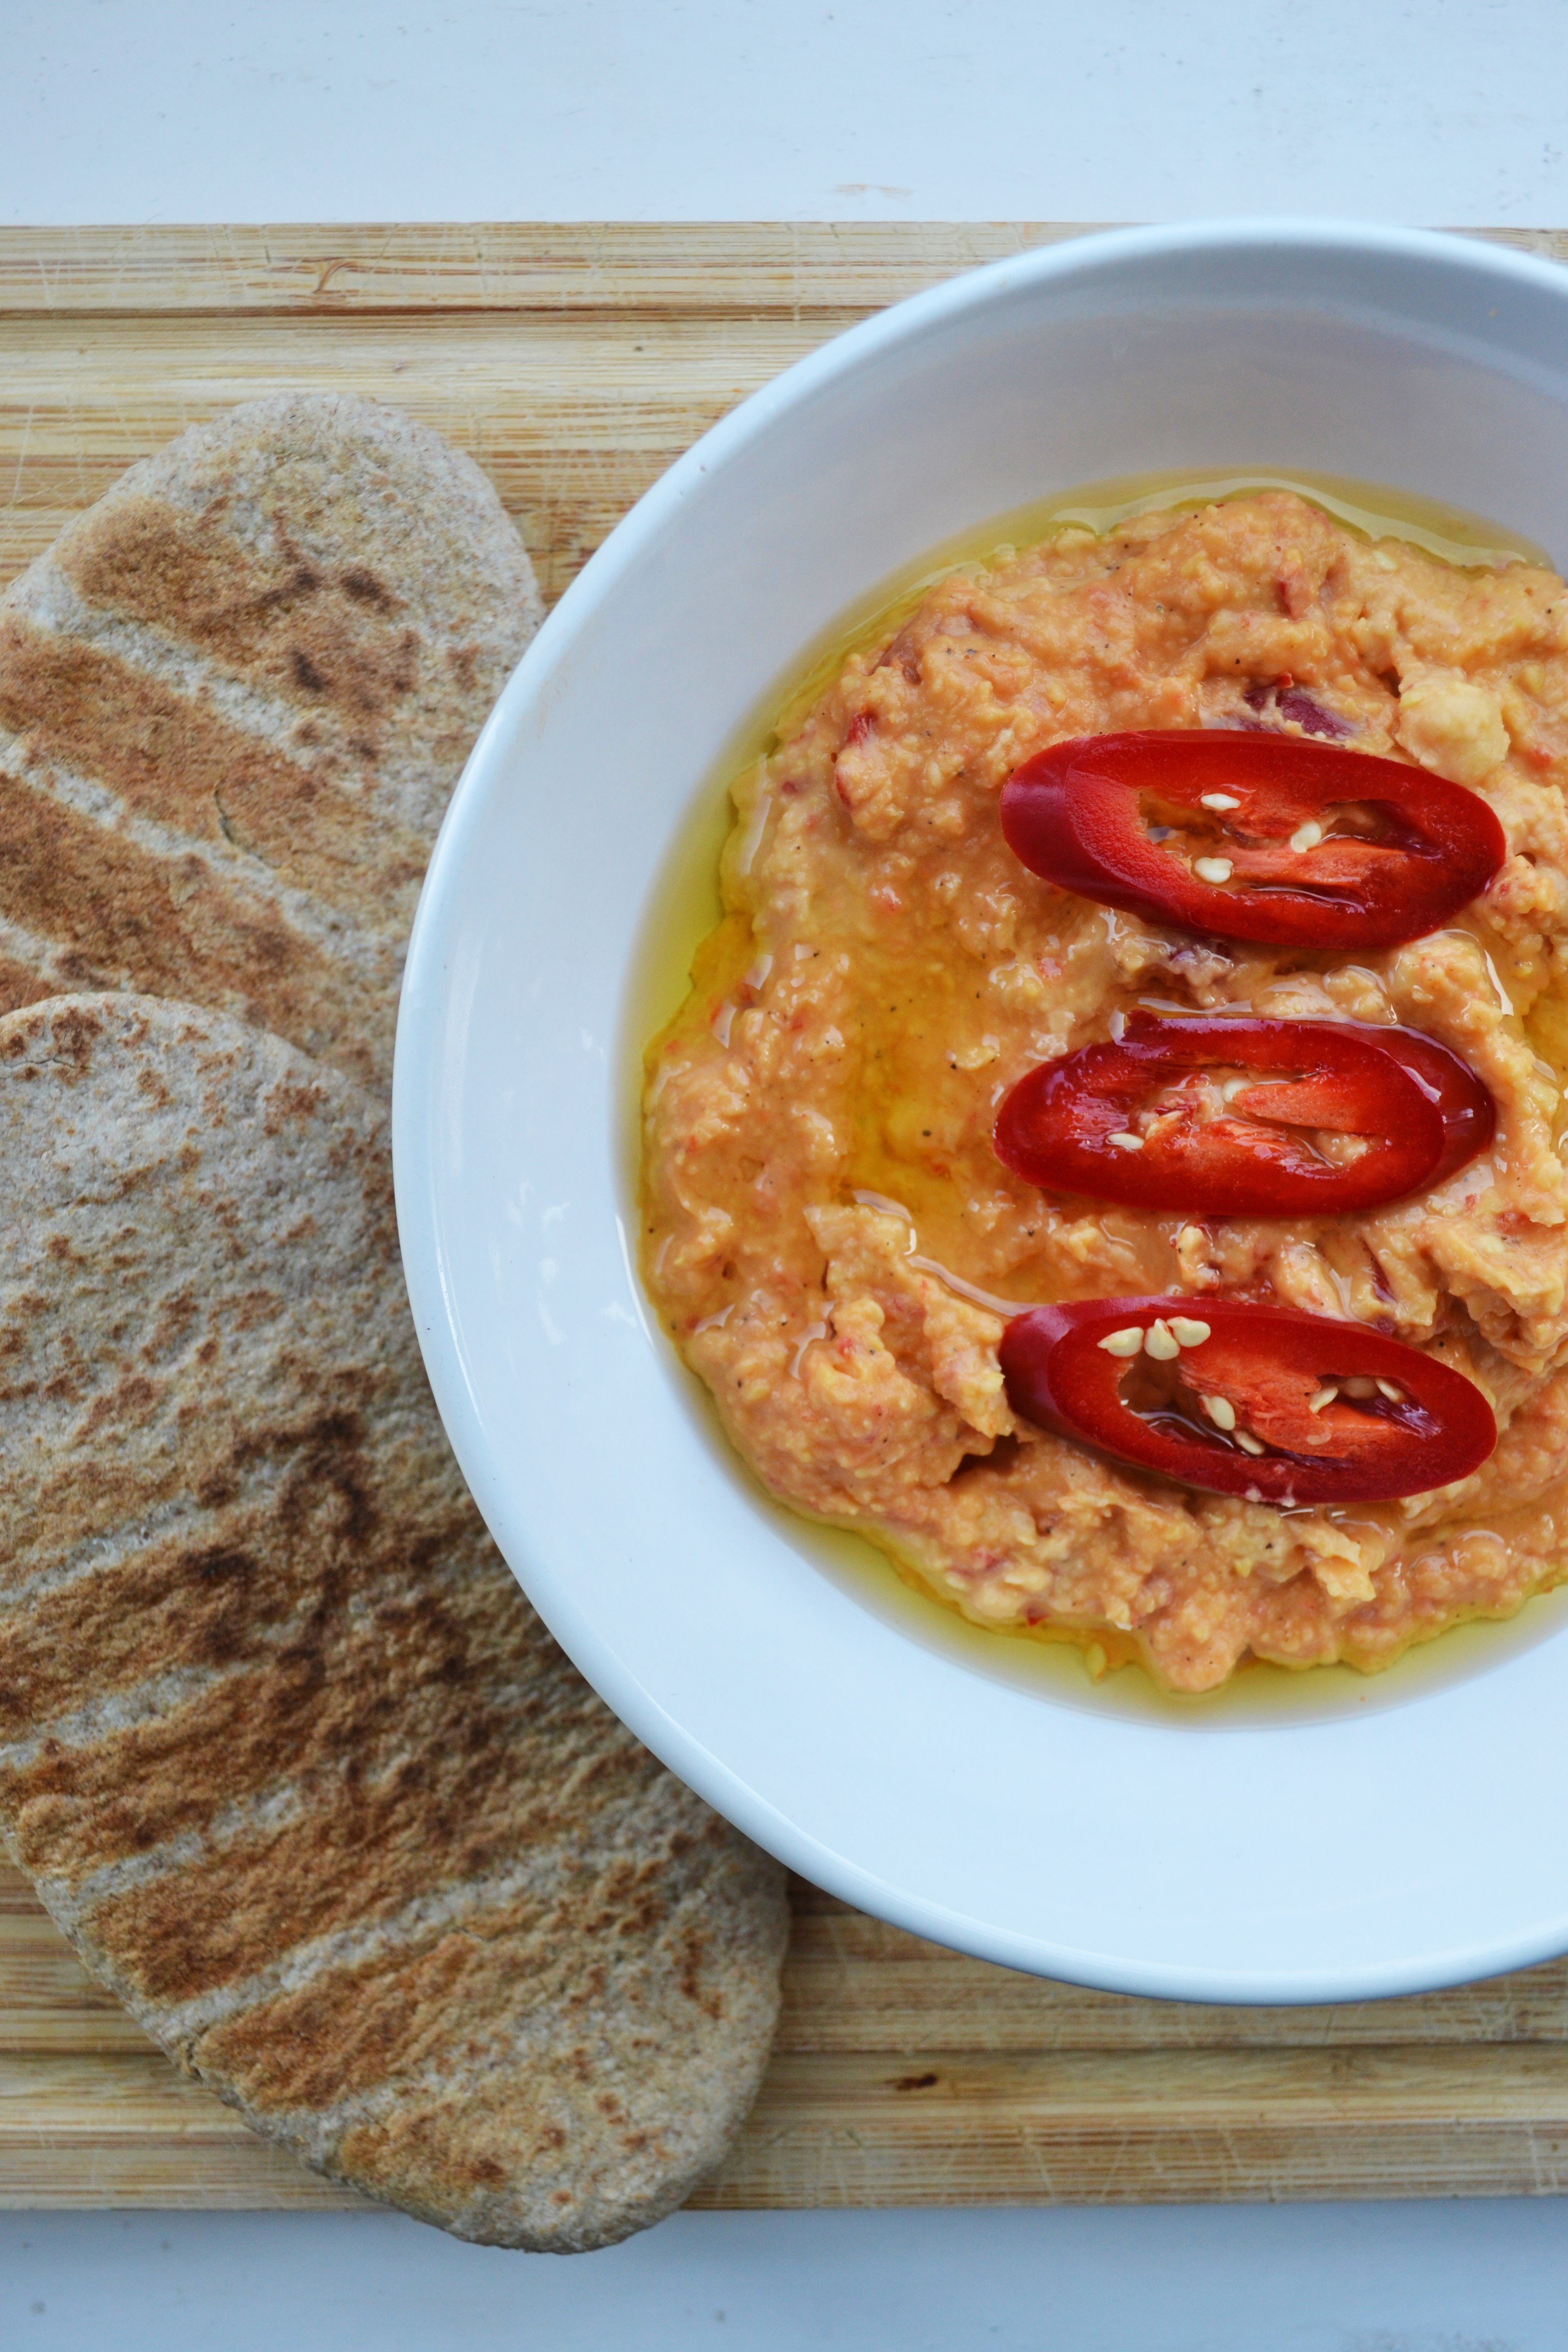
575 363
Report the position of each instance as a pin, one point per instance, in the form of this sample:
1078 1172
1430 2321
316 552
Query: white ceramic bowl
1387 1836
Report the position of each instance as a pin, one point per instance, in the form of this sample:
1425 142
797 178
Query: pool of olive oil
678 942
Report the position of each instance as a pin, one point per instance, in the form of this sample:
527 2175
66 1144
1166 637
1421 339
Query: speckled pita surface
235 696
286 1753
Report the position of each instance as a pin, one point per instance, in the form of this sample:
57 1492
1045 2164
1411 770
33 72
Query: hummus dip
835 1246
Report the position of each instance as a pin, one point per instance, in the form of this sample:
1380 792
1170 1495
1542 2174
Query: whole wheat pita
285 1751
235 696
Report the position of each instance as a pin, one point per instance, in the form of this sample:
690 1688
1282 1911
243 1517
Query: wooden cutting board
575 363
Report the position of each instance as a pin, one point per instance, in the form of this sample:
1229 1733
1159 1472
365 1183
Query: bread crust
235 698
282 1746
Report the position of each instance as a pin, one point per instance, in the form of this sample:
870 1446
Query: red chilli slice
1266 1368
1400 852
1420 1110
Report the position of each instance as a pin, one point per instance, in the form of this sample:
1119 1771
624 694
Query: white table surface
1425 110
1421 110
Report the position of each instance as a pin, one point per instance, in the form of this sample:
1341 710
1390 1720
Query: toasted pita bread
235 698
287 1754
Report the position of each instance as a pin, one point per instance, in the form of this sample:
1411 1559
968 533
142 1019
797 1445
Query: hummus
836 1247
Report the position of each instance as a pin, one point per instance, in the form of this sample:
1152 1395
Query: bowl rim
844 352
420 1042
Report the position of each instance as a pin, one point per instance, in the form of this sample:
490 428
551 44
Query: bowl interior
1358 1848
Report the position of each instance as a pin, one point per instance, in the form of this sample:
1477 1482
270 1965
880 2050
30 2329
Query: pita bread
284 1749
235 696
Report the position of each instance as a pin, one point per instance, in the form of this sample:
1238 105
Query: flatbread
284 1749
235 696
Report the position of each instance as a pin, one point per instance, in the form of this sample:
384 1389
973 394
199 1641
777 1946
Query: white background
1421 111
1442 111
